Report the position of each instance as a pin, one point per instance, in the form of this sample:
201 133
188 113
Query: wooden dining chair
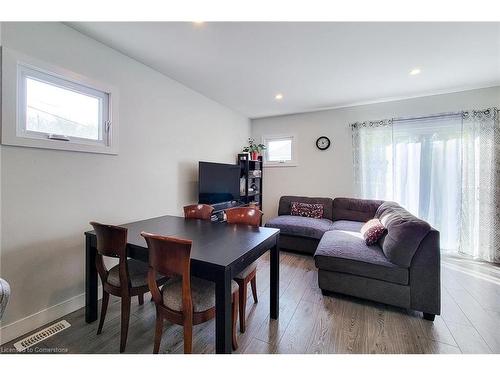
125 280
198 211
249 216
184 299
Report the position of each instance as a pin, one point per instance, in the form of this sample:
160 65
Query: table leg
90 279
275 278
223 313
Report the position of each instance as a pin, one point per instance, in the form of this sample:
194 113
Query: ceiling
244 65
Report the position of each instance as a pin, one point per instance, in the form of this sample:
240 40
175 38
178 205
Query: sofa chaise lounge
402 269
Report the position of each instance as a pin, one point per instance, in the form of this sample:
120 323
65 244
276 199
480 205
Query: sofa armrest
4 296
425 275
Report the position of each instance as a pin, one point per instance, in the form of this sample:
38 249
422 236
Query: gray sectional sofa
402 269
4 296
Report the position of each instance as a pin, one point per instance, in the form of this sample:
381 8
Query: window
60 110
56 109
415 162
280 151
442 169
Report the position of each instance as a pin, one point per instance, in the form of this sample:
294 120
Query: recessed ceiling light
198 22
415 71
278 96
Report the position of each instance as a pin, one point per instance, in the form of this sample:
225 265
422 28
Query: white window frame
284 163
16 68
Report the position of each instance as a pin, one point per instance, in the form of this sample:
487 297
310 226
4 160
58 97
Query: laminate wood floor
312 323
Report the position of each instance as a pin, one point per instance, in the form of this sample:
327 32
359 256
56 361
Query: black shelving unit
251 180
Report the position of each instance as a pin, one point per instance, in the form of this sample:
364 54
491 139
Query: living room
328 187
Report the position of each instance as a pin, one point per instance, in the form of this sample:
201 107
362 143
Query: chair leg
242 304
253 283
104 308
140 297
188 336
158 332
125 321
234 315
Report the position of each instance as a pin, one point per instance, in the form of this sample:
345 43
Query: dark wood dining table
219 252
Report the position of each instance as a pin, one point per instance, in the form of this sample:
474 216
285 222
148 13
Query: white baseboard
22 326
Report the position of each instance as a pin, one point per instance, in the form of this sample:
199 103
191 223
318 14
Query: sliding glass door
427 172
444 169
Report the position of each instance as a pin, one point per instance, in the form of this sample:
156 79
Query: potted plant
254 149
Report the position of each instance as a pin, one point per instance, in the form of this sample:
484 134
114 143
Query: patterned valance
478 115
485 114
372 124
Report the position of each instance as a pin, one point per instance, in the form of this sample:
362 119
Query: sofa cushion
285 204
347 252
301 226
137 272
202 293
404 233
354 209
351 226
306 245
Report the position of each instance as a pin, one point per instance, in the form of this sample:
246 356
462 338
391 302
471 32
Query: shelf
253 194
245 159
248 167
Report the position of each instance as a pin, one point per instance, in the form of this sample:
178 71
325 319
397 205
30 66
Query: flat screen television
218 182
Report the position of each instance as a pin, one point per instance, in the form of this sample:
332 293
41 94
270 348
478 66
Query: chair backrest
244 215
111 240
169 256
198 211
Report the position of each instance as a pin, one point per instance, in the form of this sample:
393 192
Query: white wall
330 173
48 197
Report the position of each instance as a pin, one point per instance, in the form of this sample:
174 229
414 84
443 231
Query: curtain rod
448 114
445 114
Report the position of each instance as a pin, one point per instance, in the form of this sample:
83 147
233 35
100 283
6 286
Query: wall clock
323 143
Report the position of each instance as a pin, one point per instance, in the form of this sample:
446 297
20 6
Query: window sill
9 140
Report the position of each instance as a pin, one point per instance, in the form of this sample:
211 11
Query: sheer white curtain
372 142
480 216
444 169
427 172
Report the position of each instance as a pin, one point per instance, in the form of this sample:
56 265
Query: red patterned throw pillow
314 210
372 231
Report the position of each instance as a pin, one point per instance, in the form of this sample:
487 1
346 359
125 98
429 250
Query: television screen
218 182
